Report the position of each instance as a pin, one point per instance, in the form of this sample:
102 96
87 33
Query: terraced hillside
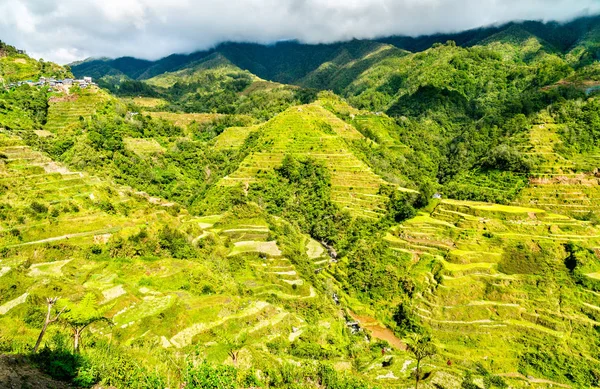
249 267
505 281
66 111
42 198
310 131
168 281
566 185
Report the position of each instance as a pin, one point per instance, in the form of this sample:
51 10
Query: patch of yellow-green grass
314 249
269 248
465 256
595 276
457 267
101 281
53 269
379 126
261 85
113 293
185 119
149 102
43 133
207 221
185 336
424 218
143 147
494 207
233 137
21 67
13 303
149 306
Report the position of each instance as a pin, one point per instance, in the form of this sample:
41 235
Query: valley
307 216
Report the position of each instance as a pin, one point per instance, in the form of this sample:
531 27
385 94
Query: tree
51 301
421 347
234 345
81 315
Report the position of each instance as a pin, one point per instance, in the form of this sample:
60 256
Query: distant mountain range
294 62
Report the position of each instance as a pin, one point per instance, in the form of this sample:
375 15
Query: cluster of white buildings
54 83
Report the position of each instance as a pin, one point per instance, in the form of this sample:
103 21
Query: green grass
185 119
233 137
314 249
269 248
143 147
20 67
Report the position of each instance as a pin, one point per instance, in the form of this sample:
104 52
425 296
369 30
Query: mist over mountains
289 62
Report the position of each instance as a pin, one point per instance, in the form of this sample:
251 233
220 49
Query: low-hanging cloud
68 30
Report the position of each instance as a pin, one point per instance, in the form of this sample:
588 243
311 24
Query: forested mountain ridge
207 224
290 62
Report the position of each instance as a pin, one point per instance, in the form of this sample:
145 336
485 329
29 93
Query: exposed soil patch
17 373
378 331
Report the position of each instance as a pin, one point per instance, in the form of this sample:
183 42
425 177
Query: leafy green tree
421 347
81 315
234 345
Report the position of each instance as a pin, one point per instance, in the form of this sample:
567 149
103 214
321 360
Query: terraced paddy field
46 202
185 119
250 278
65 111
245 276
310 131
563 185
501 280
148 102
575 194
143 147
233 137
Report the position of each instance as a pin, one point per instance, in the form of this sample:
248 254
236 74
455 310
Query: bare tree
51 301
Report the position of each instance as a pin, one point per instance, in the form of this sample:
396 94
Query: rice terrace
308 204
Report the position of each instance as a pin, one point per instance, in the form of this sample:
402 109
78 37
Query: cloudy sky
68 30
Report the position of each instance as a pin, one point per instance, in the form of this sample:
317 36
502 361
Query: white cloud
65 30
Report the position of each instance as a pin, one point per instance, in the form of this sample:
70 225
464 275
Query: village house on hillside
54 83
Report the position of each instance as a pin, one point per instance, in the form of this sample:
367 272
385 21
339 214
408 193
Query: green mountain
16 65
291 62
310 216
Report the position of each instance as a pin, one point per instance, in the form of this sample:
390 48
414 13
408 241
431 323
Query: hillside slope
236 228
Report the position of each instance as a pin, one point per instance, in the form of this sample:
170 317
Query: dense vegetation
205 227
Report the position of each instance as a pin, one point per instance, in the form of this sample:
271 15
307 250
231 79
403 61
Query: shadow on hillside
17 372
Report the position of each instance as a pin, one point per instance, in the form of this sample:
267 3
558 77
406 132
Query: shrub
206 376
38 208
59 364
